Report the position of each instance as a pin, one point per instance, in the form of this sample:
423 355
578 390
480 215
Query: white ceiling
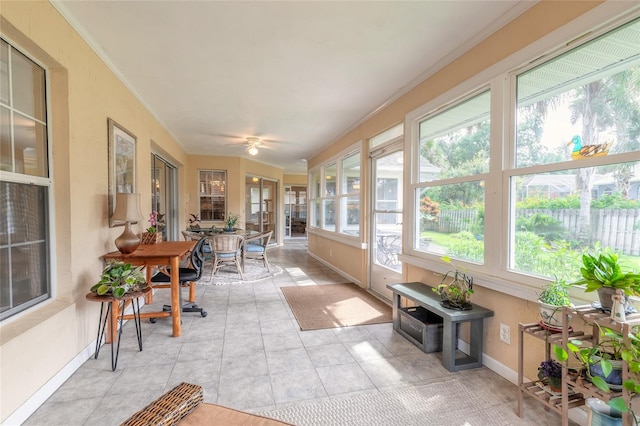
296 74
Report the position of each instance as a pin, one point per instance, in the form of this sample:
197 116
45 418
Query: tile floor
249 354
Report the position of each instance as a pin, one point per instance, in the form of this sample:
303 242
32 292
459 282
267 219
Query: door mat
335 305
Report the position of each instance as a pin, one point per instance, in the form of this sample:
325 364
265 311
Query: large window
335 195
452 164
24 183
573 188
213 199
563 177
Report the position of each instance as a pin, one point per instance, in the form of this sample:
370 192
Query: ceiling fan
252 145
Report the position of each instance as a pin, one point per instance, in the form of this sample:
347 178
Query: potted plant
455 288
552 298
550 371
152 236
601 362
603 273
194 221
118 278
230 222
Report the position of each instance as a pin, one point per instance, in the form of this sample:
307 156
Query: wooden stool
115 315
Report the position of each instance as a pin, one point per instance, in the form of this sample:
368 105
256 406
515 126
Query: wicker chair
255 247
227 250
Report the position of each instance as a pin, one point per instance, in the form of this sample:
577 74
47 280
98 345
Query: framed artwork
122 164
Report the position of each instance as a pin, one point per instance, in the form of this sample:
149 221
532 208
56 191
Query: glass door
295 211
261 212
386 212
163 199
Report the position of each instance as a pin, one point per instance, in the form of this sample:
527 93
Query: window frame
201 196
46 182
316 223
494 273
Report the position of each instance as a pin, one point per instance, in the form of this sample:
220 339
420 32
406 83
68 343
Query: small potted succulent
119 278
550 371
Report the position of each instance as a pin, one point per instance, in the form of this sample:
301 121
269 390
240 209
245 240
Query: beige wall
36 345
237 168
538 21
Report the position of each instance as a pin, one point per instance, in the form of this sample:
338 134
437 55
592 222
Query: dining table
160 254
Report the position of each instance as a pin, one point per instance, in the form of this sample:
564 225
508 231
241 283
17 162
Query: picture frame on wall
122 164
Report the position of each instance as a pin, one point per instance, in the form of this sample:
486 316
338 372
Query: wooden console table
422 295
166 253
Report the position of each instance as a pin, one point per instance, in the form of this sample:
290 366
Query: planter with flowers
230 222
152 236
550 372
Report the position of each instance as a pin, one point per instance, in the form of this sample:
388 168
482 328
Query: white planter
551 315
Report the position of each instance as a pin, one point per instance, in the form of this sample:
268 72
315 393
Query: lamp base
128 242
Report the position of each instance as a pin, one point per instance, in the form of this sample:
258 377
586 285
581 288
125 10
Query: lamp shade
127 208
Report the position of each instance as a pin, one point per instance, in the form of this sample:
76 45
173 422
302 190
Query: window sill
352 241
21 323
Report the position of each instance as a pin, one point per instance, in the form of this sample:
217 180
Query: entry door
386 213
163 198
295 211
261 212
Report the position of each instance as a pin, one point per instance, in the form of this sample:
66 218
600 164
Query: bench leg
449 337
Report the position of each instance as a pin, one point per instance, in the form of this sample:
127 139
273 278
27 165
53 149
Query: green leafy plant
118 278
611 346
604 270
456 287
555 293
230 221
194 221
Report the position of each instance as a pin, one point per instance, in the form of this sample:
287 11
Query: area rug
228 275
443 403
335 305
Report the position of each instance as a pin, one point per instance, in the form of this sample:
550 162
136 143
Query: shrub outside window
573 188
449 194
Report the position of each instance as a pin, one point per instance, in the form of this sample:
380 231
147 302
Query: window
213 201
24 183
350 195
573 186
452 164
335 195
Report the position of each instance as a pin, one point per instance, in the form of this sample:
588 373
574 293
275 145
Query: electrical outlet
505 334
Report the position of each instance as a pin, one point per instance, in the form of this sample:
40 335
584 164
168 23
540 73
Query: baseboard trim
333 268
22 413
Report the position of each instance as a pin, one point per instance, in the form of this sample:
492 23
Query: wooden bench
422 295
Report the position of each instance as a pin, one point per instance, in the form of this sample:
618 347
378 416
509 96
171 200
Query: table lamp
127 211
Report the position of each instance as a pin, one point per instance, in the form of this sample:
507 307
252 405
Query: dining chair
227 250
255 247
187 277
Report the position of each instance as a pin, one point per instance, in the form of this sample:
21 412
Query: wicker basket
148 238
170 408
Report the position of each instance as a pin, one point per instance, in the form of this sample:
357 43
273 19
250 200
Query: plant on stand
603 273
550 371
552 298
119 278
455 288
